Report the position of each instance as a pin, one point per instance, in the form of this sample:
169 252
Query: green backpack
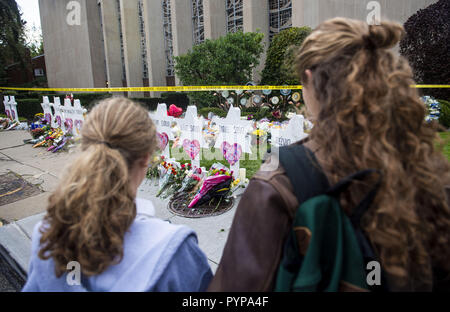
337 250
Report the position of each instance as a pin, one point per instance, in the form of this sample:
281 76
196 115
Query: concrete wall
74 54
155 44
256 17
111 36
132 44
214 17
313 12
181 13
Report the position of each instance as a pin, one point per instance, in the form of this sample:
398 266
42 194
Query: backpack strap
304 172
364 205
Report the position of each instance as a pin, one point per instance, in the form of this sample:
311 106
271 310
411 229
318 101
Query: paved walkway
42 168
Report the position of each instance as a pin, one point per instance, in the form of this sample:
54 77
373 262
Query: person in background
95 219
365 115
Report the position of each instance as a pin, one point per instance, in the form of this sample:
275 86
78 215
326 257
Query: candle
242 173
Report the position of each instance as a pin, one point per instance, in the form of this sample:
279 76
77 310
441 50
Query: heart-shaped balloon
174 111
232 153
192 148
163 140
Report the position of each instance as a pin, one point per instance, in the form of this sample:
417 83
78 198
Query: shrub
149 103
444 118
228 60
279 53
27 108
215 110
88 100
426 46
177 98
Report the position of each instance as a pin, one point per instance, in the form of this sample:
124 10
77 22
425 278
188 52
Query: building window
197 21
122 53
168 41
143 40
38 72
280 16
235 15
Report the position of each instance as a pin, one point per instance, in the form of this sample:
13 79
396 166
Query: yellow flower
258 132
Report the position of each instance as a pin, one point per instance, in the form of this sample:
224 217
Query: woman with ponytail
96 235
366 116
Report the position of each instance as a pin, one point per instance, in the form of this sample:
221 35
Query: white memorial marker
13 108
7 106
291 134
57 121
78 118
67 110
163 124
192 135
233 138
48 115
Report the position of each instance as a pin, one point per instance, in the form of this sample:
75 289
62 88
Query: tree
36 47
228 60
426 46
279 61
12 37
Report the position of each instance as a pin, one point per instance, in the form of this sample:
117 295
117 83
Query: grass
21 119
446 137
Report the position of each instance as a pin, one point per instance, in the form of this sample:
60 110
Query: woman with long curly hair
366 116
95 223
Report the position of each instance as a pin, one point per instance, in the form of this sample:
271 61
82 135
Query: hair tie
105 143
368 43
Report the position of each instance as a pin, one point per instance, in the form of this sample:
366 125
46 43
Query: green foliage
27 108
88 100
215 110
149 103
227 60
444 145
179 99
12 37
280 56
426 46
36 47
444 118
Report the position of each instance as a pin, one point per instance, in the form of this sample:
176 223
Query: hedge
444 118
215 110
27 108
177 98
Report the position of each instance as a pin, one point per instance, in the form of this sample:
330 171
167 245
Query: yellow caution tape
182 88
157 89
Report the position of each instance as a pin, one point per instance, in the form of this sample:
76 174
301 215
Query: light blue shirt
158 256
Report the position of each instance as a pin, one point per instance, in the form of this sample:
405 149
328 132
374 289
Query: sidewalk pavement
44 169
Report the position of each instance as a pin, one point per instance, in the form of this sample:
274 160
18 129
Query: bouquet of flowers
153 170
434 108
216 185
194 177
